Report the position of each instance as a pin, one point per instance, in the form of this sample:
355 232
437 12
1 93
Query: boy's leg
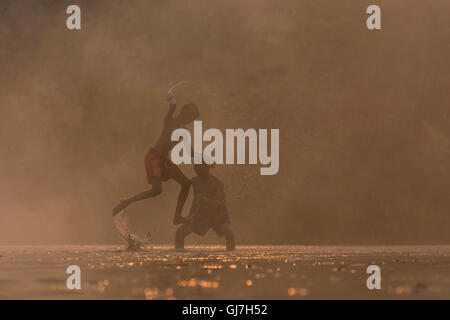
153 192
226 230
185 184
153 168
182 233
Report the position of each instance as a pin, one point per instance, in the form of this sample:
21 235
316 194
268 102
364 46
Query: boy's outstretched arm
172 106
154 191
185 184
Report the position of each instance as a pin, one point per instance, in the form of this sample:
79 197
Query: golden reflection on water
169 292
298 292
151 293
250 273
403 290
101 285
192 283
211 266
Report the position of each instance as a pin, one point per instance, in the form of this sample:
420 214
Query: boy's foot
230 246
122 205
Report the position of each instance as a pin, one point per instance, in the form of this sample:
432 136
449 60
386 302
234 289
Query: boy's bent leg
227 231
182 233
153 192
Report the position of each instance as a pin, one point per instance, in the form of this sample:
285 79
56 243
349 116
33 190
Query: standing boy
208 209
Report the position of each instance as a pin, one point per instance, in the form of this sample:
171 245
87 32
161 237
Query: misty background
363 116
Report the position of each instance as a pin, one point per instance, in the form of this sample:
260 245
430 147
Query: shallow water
209 272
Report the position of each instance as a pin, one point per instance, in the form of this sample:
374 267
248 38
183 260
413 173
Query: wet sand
209 272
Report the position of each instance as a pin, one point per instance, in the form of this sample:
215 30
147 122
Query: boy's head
202 169
189 112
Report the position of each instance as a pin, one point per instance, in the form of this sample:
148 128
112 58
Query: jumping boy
157 163
208 209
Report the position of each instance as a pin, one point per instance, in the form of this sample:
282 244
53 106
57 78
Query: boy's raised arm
172 105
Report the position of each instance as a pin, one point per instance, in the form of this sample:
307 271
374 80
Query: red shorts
158 166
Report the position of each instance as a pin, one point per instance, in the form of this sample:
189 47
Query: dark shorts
201 223
158 166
